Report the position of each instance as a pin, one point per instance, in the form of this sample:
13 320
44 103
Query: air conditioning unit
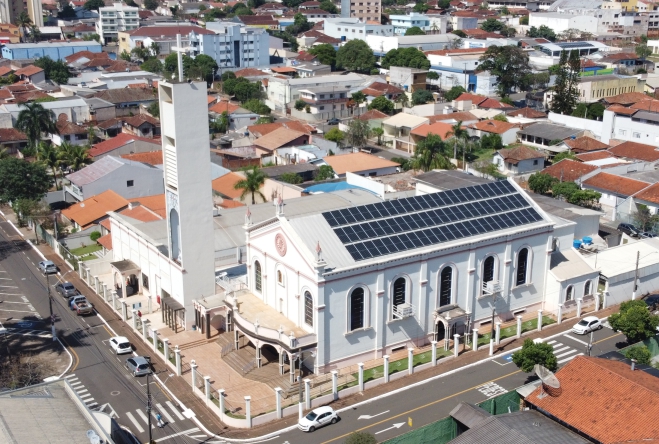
402 311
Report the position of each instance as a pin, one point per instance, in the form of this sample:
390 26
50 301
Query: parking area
16 311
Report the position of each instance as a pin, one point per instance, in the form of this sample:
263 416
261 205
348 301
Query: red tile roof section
118 141
595 155
493 126
150 157
637 151
616 184
650 194
568 170
519 153
585 144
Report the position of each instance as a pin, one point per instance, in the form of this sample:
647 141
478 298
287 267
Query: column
134 319
220 398
579 301
193 372
278 401
145 329
519 326
491 347
207 387
165 349
361 376
155 339
474 339
539 320
410 360
105 292
307 394
114 299
177 354
335 384
96 281
248 411
433 351
560 314
148 305
207 325
456 345
291 368
605 300
258 356
597 300
281 362
235 334
124 310
497 333
385 365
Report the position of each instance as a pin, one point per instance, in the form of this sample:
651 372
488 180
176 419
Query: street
97 374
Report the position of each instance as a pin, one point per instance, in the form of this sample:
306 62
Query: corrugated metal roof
406 120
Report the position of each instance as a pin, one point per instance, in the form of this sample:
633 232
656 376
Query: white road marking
566 353
196 429
80 392
8 286
575 339
92 405
134 421
165 413
197 436
70 377
143 416
175 410
570 358
561 349
17 311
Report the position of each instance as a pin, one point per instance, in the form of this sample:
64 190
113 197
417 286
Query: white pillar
207 387
497 333
114 299
149 306
361 376
456 345
165 349
605 300
193 372
385 365
278 401
433 358
134 319
539 320
145 329
155 339
474 339
579 301
519 326
177 354
124 310
410 360
248 411
96 281
220 397
491 347
335 384
281 362
307 394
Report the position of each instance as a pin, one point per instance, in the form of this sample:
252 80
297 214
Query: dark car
334 121
629 230
66 289
652 301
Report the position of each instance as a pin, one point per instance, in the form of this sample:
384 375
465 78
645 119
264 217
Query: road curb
70 358
34 247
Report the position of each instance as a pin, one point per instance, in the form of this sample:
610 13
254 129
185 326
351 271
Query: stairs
196 343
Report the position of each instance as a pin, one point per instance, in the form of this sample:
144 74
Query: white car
318 418
586 325
120 345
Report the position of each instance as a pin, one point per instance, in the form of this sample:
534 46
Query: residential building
325 100
381 44
55 50
114 19
127 100
364 10
142 125
69 132
233 45
346 28
519 160
409 79
398 130
315 15
594 88
10 10
123 144
402 23
506 130
31 74
93 210
442 129
75 108
615 190
163 35
239 117
362 164
258 21
542 135
456 67
584 144
311 69
35 11
562 21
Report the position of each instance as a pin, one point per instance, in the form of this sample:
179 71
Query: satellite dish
547 377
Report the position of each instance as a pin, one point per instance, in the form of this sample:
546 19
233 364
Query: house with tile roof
636 151
441 129
506 130
127 100
398 129
93 210
615 190
520 159
12 139
568 170
527 113
362 164
238 117
595 156
31 74
150 157
142 125
584 144
123 144
69 132
279 138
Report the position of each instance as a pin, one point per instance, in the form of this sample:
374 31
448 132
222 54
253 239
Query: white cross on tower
179 56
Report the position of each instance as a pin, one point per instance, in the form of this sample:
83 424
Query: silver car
47 267
139 365
66 289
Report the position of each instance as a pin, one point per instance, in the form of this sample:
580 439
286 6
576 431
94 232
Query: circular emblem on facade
280 243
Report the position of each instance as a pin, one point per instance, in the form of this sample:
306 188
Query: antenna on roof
548 379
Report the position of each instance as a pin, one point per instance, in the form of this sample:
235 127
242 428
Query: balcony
324 101
74 191
402 311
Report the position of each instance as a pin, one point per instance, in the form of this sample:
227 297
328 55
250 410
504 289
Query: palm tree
251 184
23 21
155 49
460 135
35 32
74 156
430 154
48 155
35 119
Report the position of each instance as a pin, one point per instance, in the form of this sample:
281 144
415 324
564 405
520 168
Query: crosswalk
563 352
22 331
82 392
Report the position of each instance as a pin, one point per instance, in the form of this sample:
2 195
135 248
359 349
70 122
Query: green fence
506 403
599 72
652 344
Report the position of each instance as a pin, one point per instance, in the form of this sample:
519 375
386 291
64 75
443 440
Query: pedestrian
159 419
139 314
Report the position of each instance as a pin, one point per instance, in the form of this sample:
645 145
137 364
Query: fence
652 344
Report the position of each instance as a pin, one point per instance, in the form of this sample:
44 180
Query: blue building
55 50
402 23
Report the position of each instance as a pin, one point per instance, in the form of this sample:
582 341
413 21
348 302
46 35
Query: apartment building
365 10
352 28
233 45
402 23
163 35
114 19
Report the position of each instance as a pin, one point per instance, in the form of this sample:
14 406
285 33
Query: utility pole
148 407
589 347
50 305
638 257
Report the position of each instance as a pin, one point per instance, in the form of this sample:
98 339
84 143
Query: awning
125 267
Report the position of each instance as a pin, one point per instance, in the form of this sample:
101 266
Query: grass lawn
512 330
83 251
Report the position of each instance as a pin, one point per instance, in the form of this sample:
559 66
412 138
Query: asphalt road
418 406
97 374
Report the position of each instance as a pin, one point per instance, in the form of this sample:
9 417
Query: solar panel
383 228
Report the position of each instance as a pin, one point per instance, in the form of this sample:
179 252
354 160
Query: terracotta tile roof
86 54
595 155
5 94
223 106
4 70
519 153
627 98
30 96
258 20
385 88
211 99
619 109
140 212
139 85
11 135
440 129
96 63
155 203
646 105
118 141
460 116
633 150
123 66
28 71
110 123
490 103
284 69
21 87
588 64
585 144
141 119
262 129
170 31
150 157
474 98
568 170
106 223
278 138
67 128
527 112
228 203
313 11
250 72
305 57
616 184
105 241
480 34
89 210
355 162
373 114
605 400
224 185
650 194
493 126
320 37
311 3
620 56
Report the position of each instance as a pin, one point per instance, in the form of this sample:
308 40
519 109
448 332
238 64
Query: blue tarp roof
329 187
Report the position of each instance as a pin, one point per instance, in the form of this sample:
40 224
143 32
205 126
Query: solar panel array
392 226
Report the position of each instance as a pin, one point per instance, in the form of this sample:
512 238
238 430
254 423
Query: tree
422 8
568 154
23 21
300 24
67 12
290 178
640 353
74 156
125 55
535 353
460 136
430 153
454 93
415 30
566 87
141 53
358 97
246 91
152 65
382 104
35 32
57 71
524 20
324 172
492 25
634 321
541 183
355 55
47 154
20 179
154 109
509 64
17 371
491 142
358 132
500 118
251 184
643 218
34 119
421 96
335 135
256 106
403 100
544 32
328 6
93 5
89 37
405 57
151 5
460 33
300 104
222 123
642 50
432 75
325 53
361 438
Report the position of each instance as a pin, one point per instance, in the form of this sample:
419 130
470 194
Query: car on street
318 418
646 235
586 325
82 306
139 365
334 121
629 230
652 301
47 267
66 289
120 345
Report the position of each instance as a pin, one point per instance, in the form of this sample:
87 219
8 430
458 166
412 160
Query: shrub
95 235
640 353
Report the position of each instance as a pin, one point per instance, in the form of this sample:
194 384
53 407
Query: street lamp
299 379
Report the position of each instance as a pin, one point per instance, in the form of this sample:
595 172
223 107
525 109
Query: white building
383 44
353 28
561 21
402 23
233 45
115 18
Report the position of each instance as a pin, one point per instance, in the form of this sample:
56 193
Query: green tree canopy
566 87
151 5
74 156
431 153
643 51
422 8
454 93
360 438
355 55
643 218
491 142
251 184
460 33
382 104
67 12
57 71
358 133
415 30
20 179
256 106
324 172
378 132
541 183
567 154
421 96
640 353
93 5
33 119
300 104
152 65
492 25
328 6
335 135
535 353
291 178
635 321
405 57
432 75
325 53
509 64
358 97
544 32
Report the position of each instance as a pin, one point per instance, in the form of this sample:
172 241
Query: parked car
586 325
75 299
139 365
646 235
47 267
318 418
120 345
82 306
629 230
333 121
66 289
652 301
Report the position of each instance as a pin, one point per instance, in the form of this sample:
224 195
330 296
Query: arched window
357 309
280 277
446 286
569 294
399 291
522 266
257 276
587 288
308 308
488 269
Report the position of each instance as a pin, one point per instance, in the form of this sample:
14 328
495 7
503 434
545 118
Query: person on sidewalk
161 424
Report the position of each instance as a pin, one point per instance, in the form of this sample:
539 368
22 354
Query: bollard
474 340
456 345
124 310
560 314
278 401
434 353
154 334
248 411
497 333
207 387
165 349
134 319
491 347
145 329
539 320
335 384
193 372
519 326
307 394
114 299
410 360
579 301
361 376
220 398
385 364
177 354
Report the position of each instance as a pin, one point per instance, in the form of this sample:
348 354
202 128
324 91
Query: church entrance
440 331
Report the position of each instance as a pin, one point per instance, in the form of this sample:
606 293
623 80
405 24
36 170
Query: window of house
522 266
587 288
145 281
488 269
357 309
399 291
308 308
257 276
129 183
280 277
445 286
637 135
535 162
569 294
